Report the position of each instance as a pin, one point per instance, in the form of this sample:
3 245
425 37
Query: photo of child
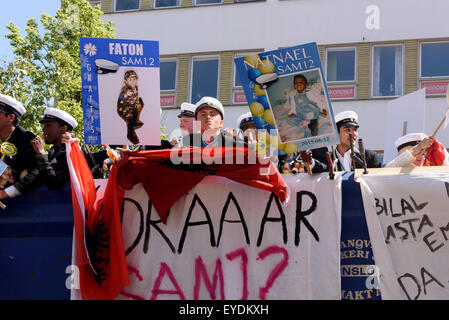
130 105
299 106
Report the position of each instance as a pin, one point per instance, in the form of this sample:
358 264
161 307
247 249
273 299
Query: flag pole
439 126
445 114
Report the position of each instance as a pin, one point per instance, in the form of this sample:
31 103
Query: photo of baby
299 105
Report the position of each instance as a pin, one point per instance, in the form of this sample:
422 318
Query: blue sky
18 12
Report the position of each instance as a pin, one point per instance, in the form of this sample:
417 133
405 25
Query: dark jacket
54 169
372 161
224 140
23 159
164 145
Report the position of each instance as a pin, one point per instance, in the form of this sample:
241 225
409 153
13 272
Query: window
204 80
95 3
387 71
340 64
435 59
201 2
166 3
123 5
168 74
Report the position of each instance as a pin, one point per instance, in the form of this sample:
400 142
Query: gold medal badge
8 149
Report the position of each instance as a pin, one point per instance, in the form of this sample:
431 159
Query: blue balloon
263 100
258 122
253 74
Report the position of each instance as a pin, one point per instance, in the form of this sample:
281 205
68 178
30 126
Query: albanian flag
99 249
436 155
167 175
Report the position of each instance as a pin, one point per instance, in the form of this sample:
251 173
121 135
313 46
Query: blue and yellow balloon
257 109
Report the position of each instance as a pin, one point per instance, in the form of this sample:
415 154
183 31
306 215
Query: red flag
436 155
99 245
165 180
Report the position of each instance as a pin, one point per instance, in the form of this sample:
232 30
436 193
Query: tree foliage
46 70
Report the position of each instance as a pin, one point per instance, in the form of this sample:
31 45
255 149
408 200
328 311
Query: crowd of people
30 165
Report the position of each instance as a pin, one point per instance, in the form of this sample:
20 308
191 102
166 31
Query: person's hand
422 147
230 132
67 137
6 177
106 163
174 143
38 145
305 123
306 156
3 195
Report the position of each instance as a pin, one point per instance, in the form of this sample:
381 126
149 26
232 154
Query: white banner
408 223
225 240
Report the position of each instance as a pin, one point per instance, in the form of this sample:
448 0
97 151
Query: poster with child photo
288 98
120 91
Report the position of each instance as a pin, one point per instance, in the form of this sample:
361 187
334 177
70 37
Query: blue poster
287 95
120 91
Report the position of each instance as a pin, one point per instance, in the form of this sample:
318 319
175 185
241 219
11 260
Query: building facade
372 51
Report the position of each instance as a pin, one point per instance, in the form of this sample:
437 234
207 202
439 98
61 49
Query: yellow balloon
253 60
256 109
291 148
263 137
268 117
275 142
266 66
258 90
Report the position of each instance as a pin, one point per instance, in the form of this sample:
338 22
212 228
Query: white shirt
345 160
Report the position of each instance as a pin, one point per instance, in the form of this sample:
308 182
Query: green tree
46 68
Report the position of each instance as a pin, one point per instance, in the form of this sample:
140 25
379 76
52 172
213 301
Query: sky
18 12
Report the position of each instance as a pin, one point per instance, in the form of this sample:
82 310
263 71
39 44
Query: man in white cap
347 124
53 166
411 150
186 118
16 150
245 122
209 112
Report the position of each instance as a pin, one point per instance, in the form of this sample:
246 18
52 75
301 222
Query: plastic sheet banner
408 224
225 240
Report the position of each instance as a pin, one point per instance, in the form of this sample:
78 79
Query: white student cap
11 105
187 110
411 139
105 66
244 119
347 118
53 114
209 102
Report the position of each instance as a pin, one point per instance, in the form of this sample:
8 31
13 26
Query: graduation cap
53 114
105 66
187 110
244 119
347 118
411 139
11 105
266 80
209 102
